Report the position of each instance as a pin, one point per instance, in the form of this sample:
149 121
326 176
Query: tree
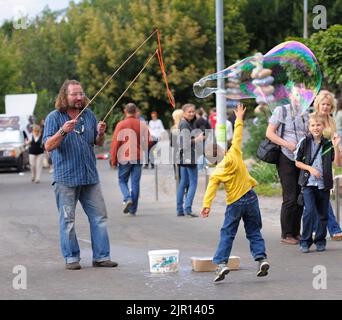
327 47
9 69
269 22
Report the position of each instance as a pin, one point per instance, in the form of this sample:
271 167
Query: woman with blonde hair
325 105
177 116
36 153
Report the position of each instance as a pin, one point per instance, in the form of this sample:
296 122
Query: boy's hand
315 172
240 111
336 140
205 212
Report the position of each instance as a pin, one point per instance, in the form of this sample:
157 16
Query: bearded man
71 144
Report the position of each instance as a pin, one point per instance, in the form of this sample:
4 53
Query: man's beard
77 106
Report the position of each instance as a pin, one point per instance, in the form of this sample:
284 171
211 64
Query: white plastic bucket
162 261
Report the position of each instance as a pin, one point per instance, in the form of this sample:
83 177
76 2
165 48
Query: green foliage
9 69
94 37
257 132
45 104
264 173
268 190
269 22
327 47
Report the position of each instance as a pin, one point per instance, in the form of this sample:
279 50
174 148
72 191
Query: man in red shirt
130 140
212 118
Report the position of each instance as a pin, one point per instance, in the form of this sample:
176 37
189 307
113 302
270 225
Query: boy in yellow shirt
242 202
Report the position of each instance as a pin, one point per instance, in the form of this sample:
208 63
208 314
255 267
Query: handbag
268 151
300 198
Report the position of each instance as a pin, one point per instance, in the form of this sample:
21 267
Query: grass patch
264 173
337 170
268 189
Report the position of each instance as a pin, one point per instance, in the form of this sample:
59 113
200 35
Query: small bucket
162 261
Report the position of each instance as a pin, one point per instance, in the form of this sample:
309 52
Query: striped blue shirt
318 165
74 160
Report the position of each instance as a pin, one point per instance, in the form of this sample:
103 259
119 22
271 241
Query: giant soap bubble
271 78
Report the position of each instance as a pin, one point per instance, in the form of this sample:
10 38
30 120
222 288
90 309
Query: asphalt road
29 238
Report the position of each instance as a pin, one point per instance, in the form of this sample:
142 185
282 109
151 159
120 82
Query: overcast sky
10 8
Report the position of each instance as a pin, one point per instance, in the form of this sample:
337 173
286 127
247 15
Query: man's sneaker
320 247
304 249
263 268
127 205
221 271
73 266
191 215
105 264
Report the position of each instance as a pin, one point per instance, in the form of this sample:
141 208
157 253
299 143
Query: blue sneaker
320 247
304 249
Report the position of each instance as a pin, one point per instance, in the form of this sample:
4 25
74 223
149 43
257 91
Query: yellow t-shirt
231 171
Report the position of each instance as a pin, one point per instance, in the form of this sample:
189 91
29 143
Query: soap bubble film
269 78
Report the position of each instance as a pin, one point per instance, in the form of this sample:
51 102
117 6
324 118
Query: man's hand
240 111
200 137
205 212
69 126
101 128
112 164
291 146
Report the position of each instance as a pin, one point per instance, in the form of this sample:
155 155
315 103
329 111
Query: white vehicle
13 149
22 105
16 129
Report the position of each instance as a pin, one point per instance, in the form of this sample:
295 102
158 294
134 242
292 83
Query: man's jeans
247 208
91 199
132 171
188 178
316 204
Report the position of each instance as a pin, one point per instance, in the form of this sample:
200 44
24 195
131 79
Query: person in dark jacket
190 138
202 124
314 158
36 153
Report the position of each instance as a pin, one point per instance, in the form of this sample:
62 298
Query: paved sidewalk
29 237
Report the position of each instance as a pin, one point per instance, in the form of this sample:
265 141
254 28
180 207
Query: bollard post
156 179
177 176
206 177
337 200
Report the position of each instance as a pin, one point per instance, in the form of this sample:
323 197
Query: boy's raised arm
238 129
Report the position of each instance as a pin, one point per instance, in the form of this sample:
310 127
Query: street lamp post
220 130
305 32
